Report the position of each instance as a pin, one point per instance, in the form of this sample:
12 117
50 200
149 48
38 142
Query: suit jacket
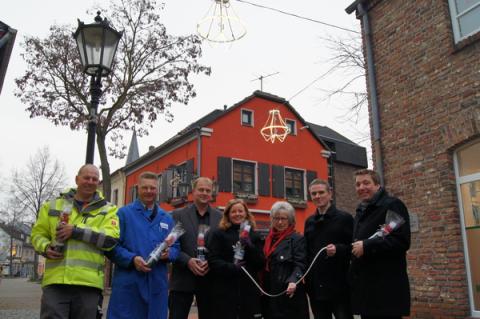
182 278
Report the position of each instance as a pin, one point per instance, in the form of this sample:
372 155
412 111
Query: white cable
298 281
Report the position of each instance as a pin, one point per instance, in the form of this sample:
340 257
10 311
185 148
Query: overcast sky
274 42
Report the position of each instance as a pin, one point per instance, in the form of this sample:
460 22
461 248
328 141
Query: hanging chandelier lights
221 24
275 127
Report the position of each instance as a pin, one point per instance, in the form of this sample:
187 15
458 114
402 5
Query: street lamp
97 43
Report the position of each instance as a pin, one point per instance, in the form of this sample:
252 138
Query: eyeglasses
277 219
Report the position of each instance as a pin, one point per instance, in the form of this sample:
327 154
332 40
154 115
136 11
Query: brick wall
429 98
345 195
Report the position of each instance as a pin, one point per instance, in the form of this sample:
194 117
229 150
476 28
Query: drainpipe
362 13
199 151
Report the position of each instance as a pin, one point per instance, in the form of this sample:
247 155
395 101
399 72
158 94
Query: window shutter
189 174
278 181
263 179
311 175
224 165
166 189
163 188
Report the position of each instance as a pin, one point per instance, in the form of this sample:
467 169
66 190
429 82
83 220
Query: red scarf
275 237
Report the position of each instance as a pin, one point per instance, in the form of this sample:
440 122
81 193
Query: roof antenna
261 77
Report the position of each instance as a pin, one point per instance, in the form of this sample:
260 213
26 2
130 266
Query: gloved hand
245 241
239 264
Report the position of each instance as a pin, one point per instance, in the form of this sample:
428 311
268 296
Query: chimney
151 148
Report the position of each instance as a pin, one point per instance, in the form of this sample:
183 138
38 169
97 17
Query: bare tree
349 64
151 73
41 180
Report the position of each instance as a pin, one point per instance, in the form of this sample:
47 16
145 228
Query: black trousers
69 302
179 303
324 309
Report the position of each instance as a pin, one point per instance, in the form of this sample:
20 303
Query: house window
134 192
247 117
292 127
115 196
180 175
294 186
243 177
465 16
467 171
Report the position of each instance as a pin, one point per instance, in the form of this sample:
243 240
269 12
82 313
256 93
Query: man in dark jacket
327 281
378 272
190 273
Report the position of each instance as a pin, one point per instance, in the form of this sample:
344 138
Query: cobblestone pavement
20 299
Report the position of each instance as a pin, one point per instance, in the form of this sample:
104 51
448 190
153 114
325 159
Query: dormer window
247 117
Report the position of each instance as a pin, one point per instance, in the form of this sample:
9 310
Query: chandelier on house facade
275 128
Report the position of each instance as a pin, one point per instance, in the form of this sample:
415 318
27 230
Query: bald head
87 180
88 167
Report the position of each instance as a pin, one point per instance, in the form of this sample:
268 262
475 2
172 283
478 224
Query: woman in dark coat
235 294
286 263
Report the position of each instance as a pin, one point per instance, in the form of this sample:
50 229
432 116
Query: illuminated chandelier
221 24
275 127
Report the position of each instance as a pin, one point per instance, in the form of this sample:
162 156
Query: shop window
468 185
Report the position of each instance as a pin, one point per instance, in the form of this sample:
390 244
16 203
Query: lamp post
97 44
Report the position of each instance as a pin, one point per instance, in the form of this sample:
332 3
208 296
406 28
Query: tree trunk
35 267
104 165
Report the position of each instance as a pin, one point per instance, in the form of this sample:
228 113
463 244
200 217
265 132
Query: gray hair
286 207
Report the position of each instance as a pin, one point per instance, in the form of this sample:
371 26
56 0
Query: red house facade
226 146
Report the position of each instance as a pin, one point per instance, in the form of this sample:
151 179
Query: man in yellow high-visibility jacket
72 232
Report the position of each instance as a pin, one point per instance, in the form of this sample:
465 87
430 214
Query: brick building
423 76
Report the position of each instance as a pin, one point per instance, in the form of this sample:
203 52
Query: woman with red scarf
285 255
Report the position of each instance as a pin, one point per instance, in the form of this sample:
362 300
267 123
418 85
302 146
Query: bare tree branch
150 74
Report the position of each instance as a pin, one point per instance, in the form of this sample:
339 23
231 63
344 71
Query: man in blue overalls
140 291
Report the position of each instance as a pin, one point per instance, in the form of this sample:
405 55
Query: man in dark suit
189 273
328 227
378 272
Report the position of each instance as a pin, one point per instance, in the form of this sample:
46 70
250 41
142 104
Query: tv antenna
261 77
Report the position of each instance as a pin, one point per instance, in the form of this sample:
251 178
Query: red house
227 146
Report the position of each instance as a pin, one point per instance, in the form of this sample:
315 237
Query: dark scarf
273 240
362 207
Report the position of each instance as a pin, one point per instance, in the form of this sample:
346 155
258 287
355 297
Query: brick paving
20 299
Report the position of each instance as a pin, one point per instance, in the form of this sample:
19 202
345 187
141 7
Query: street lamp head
97 43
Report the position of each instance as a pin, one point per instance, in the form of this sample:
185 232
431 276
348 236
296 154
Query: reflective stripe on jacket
96 227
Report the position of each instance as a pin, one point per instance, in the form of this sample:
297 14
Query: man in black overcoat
327 281
190 275
378 272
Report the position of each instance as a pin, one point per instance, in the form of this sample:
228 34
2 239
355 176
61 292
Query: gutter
362 13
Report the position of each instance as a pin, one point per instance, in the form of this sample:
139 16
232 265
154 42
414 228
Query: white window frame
255 173
241 117
294 132
304 180
459 180
456 24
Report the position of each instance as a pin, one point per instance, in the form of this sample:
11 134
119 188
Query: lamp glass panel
111 42
80 48
93 44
